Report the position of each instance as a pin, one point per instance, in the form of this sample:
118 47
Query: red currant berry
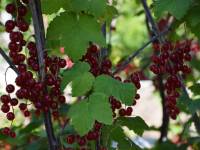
5 108
122 112
10 8
10 88
5 99
22 106
61 99
22 10
62 63
12 134
70 139
10 116
13 102
26 113
129 111
10 25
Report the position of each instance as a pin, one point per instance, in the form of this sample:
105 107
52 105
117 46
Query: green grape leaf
111 87
81 117
177 8
94 7
70 74
53 6
82 84
136 124
74 32
100 108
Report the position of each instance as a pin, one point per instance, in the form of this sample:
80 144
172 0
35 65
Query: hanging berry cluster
98 67
24 55
171 63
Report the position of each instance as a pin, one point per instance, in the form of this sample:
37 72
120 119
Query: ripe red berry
62 63
22 68
81 141
12 134
23 26
16 36
129 111
122 112
107 63
22 106
6 131
10 88
10 25
137 96
93 49
13 102
61 99
10 8
118 104
22 10
5 108
10 116
26 113
70 139
5 99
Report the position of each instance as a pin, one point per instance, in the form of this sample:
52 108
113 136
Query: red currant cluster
93 58
8 132
29 86
171 63
90 136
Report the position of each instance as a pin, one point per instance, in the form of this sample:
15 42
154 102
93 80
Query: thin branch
35 6
12 65
137 52
165 118
151 21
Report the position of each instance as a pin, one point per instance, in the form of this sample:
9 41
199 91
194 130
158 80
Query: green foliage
77 70
96 107
136 124
195 89
192 19
194 106
100 108
165 146
82 84
53 6
111 87
81 117
74 32
115 133
94 7
177 8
